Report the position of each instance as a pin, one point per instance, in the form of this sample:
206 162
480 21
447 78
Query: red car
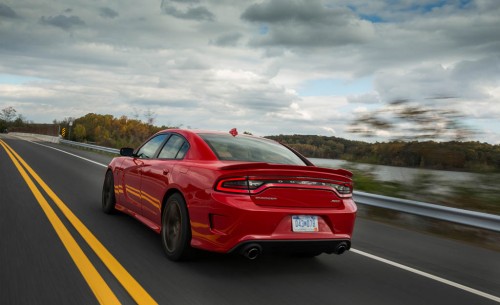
231 193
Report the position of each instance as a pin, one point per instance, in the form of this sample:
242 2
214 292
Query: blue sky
335 87
267 66
17 79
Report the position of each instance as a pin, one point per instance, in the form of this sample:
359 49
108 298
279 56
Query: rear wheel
176 229
108 194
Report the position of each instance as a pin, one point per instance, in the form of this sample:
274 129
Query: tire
108 194
176 229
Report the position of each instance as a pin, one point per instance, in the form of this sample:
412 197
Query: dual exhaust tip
341 248
253 251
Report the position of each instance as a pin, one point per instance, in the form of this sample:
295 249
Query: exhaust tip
252 251
341 248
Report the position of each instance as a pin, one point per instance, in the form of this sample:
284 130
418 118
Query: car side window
148 150
175 148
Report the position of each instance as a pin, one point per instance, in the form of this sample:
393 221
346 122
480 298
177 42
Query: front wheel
176 229
108 194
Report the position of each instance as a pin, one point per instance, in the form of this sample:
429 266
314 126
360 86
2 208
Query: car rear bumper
229 223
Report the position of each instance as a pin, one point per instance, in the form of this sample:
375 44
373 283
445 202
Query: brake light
250 185
238 185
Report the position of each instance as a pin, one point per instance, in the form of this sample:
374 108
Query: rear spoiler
260 165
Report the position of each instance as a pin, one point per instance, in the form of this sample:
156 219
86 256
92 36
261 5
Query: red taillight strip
282 182
220 186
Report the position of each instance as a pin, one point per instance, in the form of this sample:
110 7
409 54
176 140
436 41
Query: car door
158 173
132 176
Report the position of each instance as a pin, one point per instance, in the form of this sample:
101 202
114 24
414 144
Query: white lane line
428 275
77 156
371 256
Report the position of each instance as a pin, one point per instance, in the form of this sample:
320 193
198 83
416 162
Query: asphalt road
36 267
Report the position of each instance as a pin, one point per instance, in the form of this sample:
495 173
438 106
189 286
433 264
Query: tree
80 133
150 116
8 114
106 130
9 118
406 120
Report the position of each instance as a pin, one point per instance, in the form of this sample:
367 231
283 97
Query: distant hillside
464 156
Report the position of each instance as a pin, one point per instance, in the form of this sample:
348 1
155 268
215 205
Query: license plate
304 223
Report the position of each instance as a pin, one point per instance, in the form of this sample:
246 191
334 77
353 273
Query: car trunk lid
287 185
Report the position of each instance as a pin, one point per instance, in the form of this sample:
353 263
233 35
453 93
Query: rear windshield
242 148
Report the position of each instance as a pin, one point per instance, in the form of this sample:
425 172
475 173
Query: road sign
63 132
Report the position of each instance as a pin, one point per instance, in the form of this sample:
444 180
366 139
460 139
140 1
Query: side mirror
127 152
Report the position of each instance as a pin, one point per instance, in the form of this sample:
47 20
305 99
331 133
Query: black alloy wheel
176 229
108 194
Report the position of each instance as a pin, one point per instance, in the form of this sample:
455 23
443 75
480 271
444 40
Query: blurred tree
404 120
471 156
150 116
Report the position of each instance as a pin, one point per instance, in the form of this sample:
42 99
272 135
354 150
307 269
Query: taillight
342 189
238 185
250 185
235 185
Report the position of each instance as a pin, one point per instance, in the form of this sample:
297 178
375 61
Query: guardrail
40 137
91 146
460 216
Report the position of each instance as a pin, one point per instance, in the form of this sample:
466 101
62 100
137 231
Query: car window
148 150
251 149
175 148
182 152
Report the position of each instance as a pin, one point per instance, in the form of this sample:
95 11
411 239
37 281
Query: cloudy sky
269 67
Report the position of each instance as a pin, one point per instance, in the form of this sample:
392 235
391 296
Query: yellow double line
99 287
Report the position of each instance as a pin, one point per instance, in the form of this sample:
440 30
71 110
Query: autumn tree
106 130
470 156
79 132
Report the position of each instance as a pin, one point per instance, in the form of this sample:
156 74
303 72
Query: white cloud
360 110
330 130
217 64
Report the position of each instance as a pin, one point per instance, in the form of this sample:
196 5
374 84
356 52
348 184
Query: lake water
393 173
